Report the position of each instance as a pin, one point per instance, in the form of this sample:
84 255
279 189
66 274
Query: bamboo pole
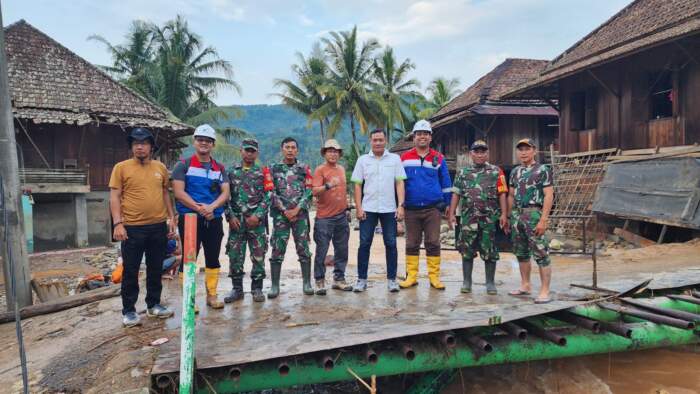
188 292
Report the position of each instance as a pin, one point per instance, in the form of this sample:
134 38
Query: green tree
132 61
350 71
395 93
185 80
306 96
440 91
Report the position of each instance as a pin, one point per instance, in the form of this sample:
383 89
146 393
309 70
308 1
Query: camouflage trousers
256 240
280 236
525 242
477 234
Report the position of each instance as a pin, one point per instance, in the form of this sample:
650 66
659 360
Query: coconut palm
305 96
440 91
395 93
131 61
350 71
185 69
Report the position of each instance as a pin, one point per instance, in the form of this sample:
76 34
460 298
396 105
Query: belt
533 206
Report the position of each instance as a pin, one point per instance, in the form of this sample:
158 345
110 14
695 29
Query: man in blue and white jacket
428 194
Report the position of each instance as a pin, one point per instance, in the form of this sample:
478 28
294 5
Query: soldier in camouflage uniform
529 203
247 217
291 197
482 189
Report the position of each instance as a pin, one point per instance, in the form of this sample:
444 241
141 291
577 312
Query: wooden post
188 292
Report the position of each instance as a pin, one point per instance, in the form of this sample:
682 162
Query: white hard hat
422 125
205 131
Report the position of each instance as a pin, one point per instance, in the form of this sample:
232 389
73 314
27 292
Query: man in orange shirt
140 204
330 189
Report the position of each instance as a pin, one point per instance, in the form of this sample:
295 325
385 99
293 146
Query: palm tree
132 60
441 91
305 96
350 70
185 82
395 93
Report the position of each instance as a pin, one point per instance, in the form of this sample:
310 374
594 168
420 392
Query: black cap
140 134
479 144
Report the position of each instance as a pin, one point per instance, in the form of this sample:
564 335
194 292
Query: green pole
188 292
265 375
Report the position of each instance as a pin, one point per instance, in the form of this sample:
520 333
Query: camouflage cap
526 141
249 143
479 144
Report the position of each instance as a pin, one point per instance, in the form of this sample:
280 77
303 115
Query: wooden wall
501 133
623 101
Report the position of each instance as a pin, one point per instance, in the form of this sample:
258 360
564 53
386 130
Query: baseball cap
526 141
249 143
479 144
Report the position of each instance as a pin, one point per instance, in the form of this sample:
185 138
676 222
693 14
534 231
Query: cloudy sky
450 38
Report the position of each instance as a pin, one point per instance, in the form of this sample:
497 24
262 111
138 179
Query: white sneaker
360 286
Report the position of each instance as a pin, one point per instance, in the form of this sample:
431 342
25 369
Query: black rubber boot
275 270
467 266
490 269
306 278
256 290
236 293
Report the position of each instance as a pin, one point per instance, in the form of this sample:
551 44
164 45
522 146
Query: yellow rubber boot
411 272
434 272
181 279
211 279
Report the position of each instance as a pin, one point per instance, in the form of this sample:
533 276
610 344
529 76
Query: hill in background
270 124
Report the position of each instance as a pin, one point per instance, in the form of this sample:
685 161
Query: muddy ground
85 349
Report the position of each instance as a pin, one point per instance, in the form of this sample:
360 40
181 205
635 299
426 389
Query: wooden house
633 82
71 121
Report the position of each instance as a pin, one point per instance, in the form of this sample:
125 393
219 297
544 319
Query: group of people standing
415 187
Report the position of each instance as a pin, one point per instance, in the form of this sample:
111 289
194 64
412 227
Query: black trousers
209 234
151 239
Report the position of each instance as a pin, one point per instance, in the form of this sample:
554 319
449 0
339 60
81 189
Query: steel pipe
685 298
652 317
695 294
617 328
577 320
682 315
542 333
479 345
514 330
328 363
448 339
408 352
260 376
165 381
371 356
283 368
234 373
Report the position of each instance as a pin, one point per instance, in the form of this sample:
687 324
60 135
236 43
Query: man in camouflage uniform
529 203
482 189
291 197
247 217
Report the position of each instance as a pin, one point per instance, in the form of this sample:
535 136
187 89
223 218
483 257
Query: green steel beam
597 313
304 371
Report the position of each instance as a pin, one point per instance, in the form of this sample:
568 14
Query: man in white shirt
376 201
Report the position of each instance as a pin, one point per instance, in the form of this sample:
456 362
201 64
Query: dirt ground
85 349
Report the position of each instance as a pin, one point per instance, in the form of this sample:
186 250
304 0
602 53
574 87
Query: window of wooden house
661 96
584 110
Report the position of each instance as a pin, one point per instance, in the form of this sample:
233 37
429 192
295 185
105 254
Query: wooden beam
31 141
603 84
633 238
687 53
493 121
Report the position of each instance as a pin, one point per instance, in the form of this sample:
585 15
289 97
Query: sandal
518 292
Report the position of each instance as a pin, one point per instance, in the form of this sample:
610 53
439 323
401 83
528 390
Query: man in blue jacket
428 194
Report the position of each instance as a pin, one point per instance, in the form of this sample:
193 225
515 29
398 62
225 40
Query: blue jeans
367 226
